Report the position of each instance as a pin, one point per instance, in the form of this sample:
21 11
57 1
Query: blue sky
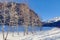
46 9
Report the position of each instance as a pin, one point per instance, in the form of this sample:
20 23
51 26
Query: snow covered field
53 34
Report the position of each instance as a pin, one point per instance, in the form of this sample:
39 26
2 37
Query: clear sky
46 9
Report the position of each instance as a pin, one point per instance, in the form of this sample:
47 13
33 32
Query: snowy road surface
53 34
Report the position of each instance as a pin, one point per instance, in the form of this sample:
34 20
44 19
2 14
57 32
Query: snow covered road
53 34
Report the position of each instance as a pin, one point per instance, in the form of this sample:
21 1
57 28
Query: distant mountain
55 19
55 22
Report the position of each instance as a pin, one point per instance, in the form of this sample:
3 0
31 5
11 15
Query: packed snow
53 34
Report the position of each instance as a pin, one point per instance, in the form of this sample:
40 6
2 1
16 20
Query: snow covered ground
53 34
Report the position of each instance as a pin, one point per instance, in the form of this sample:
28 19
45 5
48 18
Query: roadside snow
53 34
